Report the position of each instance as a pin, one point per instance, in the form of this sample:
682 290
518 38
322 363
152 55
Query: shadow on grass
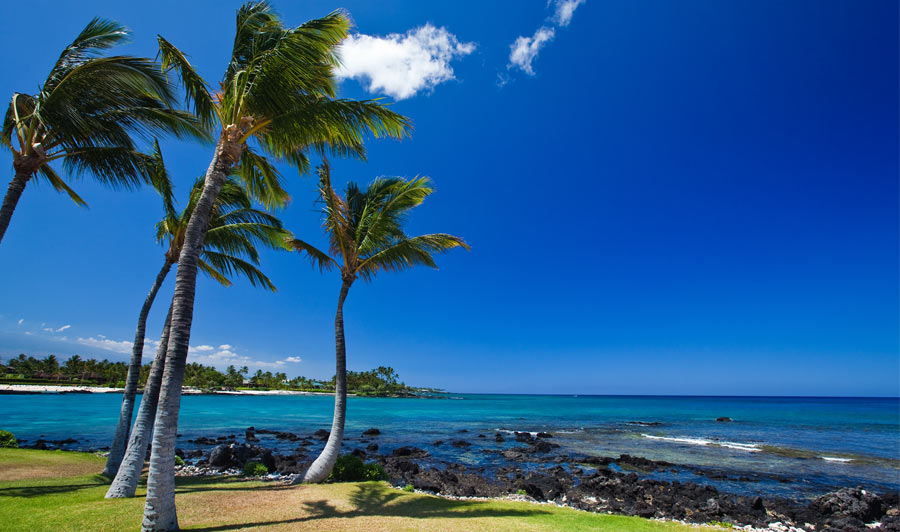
52 489
223 483
380 500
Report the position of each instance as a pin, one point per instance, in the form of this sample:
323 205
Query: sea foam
749 447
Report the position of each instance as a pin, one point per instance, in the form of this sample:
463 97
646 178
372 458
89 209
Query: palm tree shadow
377 499
38 491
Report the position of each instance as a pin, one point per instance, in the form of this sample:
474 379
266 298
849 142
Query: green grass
37 494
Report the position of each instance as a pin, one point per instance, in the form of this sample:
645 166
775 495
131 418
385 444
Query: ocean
774 446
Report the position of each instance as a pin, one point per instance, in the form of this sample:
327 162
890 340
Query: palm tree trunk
13 193
126 481
159 511
120 439
322 466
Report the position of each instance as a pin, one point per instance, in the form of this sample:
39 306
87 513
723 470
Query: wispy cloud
524 50
122 346
21 321
565 9
220 357
401 65
223 357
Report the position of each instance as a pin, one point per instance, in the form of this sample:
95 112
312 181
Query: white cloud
525 49
293 359
21 321
226 357
224 346
564 11
401 65
63 328
47 329
29 333
124 346
204 348
104 343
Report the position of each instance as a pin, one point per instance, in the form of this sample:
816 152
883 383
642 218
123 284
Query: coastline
41 388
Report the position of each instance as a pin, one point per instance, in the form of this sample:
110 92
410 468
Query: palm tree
366 236
235 230
85 114
278 92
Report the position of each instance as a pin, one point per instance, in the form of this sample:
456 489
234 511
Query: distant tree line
381 381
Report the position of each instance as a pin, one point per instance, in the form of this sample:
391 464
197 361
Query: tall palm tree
235 230
85 114
278 93
366 236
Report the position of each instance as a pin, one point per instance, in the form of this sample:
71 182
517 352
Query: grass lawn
60 491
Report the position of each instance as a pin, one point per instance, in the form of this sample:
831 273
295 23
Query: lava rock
412 452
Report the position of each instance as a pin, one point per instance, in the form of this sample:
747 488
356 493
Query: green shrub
409 487
179 461
521 492
8 440
348 468
375 472
255 469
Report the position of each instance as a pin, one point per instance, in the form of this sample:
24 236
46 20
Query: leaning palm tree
366 236
235 229
85 114
277 98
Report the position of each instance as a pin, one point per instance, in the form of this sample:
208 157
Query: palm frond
408 253
158 176
228 266
114 167
59 185
262 179
213 273
317 258
196 91
99 34
331 126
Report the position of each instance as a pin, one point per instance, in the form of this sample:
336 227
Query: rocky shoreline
539 472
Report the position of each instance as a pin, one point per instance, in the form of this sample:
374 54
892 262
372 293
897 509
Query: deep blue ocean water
793 447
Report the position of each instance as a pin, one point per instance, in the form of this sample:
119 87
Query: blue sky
661 197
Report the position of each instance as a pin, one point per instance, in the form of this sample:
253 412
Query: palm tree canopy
87 111
279 89
365 228
235 231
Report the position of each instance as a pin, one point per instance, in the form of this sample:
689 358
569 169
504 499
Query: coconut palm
235 231
85 114
277 98
366 236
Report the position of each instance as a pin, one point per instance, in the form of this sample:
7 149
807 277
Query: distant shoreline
27 389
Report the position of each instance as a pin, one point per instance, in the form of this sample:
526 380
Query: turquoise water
781 446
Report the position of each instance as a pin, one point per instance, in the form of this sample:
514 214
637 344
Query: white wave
836 459
749 447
